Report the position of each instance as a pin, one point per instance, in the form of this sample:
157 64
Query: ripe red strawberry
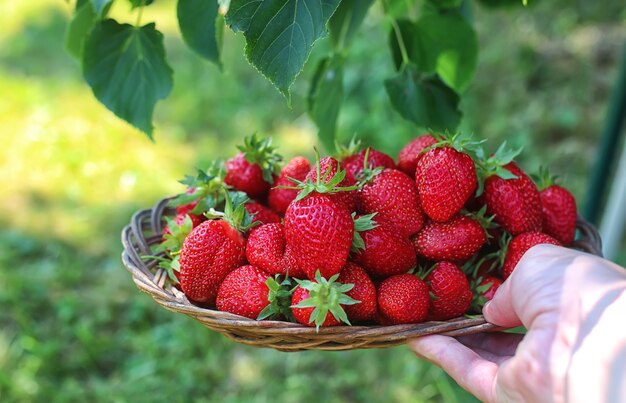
252 170
382 250
211 251
403 298
393 195
321 302
244 292
279 198
484 288
515 202
266 248
446 179
329 167
519 245
452 295
411 153
353 164
319 234
251 292
261 213
456 240
363 291
559 213
188 207
490 285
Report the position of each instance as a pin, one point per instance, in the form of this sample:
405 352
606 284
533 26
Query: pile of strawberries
360 238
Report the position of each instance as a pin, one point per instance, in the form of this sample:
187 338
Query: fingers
500 310
472 372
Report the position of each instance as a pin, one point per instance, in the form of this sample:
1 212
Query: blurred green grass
75 328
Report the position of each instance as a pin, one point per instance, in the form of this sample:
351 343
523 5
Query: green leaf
443 4
450 47
127 71
79 27
345 22
442 43
325 98
140 3
425 101
280 34
410 38
197 20
101 6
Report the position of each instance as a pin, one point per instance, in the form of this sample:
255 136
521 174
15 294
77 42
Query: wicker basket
145 230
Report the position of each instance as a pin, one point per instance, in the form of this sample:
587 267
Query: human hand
573 307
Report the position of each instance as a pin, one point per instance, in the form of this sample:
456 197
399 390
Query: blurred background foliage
73 327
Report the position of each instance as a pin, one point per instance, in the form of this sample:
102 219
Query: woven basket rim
145 230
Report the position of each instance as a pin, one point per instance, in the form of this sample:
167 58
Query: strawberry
183 209
446 178
251 292
484 288
519 245
515 202
204 191
212 250
252 170
558 207
261 213
244 292
380 248
319 234
452 295
559 213
327 169
403 298
355 163
489 286
412 152
279 198
393 195
266 248
179 219
455 240
363 291
320 302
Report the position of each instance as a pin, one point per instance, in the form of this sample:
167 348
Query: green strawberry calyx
345 151
472 266
543 179
206 188
424 271
235 213
326 295
494 165
460 141
361 224
262 153
479 300
369 171
321 184
173 241
279 297
169 263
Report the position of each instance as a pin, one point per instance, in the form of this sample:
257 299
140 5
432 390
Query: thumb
500 310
